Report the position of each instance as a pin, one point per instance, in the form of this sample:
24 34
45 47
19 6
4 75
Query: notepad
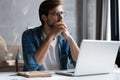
31 74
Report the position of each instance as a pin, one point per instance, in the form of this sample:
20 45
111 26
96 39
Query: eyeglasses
61 13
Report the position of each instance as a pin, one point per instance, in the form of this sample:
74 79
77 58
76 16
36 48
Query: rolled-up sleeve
28 46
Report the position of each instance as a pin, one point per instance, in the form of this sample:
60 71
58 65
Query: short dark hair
46 6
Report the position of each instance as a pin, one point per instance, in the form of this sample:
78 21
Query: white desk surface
115 75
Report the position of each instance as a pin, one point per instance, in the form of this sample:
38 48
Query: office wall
17 15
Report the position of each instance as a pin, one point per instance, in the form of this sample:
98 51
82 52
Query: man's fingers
58 24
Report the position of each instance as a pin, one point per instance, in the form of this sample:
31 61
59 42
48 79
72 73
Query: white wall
15 16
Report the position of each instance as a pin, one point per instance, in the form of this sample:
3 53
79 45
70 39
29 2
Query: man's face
55 15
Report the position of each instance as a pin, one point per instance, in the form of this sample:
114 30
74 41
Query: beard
50 25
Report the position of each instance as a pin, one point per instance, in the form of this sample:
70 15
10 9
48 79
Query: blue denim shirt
31 41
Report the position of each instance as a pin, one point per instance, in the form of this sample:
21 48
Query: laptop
95 57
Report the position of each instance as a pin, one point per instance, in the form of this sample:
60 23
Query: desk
12 76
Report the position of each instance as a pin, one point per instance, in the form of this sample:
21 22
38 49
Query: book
12 62
9 62
31 74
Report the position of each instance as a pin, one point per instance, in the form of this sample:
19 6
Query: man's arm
29 49
41 52
73 46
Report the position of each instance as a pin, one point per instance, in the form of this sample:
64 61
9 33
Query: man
49 46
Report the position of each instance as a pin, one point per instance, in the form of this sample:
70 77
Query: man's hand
58 28
65 33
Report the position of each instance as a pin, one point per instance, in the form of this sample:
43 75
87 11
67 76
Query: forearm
73 48
41 52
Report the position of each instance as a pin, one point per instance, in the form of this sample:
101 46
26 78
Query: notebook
95 57
33 74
